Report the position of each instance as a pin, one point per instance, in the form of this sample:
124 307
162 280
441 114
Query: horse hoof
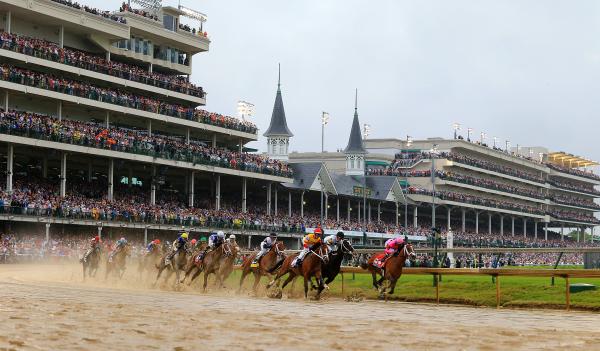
326 287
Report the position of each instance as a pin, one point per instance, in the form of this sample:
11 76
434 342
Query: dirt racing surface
49 308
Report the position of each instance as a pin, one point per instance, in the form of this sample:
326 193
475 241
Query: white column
358 215
289 204
107 119
415 216
59 106
8 21
369 209
9 168
244 194
546 231
153 187
326 205
108 56
448 219
145 236
397 213
218 193
348 210
489 223
524 227
562 232
275 200
249 241
464 215
63 174
100 232
578 230
476 222
338 208
302 204
47 232
150 67
61 36
111 175
269 195
379 212
583 234
149 127
187 136
513 225
192 188
535 229
6 99
214 140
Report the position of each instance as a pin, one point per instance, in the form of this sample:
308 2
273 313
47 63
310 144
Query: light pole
456 127
409 141
495 140
433 154
482 135
507 145
366 132
324 121
469 130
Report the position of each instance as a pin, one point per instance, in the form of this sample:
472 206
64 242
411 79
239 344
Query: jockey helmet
340 235
156 241
194 241
203 239
221 234
97 238
318 231
184 235
273 235
232 237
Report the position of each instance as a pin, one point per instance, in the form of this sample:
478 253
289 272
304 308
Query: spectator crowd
93 11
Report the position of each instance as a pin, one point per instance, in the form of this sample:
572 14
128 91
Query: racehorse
194 264
91 263
176 264
268 263
212 261
226 265
331 268
117 265
149 260
310 267
392 269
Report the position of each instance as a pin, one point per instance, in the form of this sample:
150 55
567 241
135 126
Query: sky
526 71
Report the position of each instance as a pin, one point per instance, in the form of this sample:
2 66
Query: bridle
323 256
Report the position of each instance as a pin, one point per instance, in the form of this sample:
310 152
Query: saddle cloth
378 262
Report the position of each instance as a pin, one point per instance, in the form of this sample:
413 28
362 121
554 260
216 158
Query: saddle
378 261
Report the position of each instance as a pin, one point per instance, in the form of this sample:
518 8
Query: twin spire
278 126
355 143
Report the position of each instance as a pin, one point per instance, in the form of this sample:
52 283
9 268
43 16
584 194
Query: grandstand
103 132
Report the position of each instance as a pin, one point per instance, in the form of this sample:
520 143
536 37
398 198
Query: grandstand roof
278 126
569 160
378 187
306 176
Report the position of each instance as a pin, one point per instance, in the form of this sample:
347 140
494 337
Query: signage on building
358 191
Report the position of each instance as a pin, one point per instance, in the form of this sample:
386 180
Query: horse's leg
196 274
305 287
205 281
244 274
321 286
160 270
277 277
290 278
392 285
375 283
256 281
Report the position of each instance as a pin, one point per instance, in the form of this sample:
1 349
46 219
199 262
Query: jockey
216 239
332 240
232 239
392 246
265 246
94 245
309 242
121 243
178 245
153 244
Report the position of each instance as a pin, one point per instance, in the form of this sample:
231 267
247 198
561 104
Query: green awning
377 163
403 182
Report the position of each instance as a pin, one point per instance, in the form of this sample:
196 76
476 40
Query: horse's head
346 247
278 248
409 251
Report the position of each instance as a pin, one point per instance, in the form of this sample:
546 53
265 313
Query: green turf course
470 290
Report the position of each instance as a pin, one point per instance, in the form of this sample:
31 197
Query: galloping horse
194 265
91 263
310 267
176 264
212 261
331 268
393 268
267 264
117 265
149 260
226 265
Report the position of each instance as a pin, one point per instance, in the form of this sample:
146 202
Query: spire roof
355 142
278 126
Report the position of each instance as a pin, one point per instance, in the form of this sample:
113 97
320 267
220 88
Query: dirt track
48 308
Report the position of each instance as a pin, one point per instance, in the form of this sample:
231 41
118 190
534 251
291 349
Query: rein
321 257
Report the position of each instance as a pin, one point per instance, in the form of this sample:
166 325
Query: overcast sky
527 71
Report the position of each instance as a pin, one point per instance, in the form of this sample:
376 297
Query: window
169 22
